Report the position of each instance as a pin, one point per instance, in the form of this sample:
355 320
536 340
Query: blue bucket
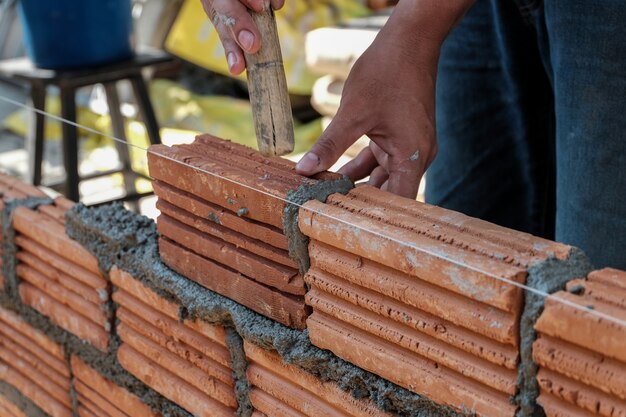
64 34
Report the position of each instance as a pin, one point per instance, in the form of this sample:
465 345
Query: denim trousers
531 121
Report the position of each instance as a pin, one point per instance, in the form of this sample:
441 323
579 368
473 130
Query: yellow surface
194 38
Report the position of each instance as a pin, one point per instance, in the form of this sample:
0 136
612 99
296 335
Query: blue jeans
531 121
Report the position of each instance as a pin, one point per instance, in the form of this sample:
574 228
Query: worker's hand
390 97
236 29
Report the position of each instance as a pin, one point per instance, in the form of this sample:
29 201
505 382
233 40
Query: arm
390 97
235 27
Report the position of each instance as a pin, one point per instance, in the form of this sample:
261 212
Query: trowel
271 108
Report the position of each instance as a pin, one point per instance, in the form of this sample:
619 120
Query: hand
236 29
390 97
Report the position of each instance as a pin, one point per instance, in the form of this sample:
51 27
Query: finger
405 177
278 4
232 20
361 166
379 177
338 136
256 5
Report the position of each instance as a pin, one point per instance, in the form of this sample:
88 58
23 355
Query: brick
283 308
39 363
12 183
609 276
382 281
89 406
580 395
55 213
590 368
271 406
583 328
51 235
231 236
416 374
135 288
64 203
34 349
96 399
41 340
554 407
64 317
85 412
216 364
91 279
170 386
247 263
77 287
33 391
205 210
270 374
122 399
598 291
10 409
501 379
206 383
70 299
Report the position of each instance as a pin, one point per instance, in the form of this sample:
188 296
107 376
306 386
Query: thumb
340 134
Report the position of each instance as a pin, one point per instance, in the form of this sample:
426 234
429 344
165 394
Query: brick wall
344 303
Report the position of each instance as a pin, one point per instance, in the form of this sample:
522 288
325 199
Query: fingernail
232 60
246 39
308 163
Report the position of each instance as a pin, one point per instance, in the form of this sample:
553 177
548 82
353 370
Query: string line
410 245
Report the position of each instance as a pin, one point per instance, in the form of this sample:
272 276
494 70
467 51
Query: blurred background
175 49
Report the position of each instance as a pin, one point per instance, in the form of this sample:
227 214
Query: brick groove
406 332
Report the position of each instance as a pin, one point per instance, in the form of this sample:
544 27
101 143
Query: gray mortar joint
103 229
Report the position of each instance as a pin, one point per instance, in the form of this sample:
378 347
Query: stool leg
145 108
35 137
70 143
117 123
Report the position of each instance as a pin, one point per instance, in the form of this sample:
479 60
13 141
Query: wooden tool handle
271 108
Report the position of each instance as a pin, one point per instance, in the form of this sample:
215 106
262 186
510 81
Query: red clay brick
12 183
51 235
70 299
580 395
205 210
38 363
88 278
378 281
72 285
90 407
583 328
205 382
590 368
64 203
597 291
122 399
426 258
397 365
135 288
42 341
217 368
132 308
271 406
96 399
291 379
278 306
64 317
55 213
557 408
231 236
609 276
170 386
10 409
28 388
33 348
466 364
247 263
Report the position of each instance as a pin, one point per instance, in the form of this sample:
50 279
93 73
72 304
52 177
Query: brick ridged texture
12 189
583 356
58 277
222 233
283 390
96 396
34 365
421 315
187 362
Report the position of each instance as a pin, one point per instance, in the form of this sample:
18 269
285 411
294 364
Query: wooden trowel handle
271 108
